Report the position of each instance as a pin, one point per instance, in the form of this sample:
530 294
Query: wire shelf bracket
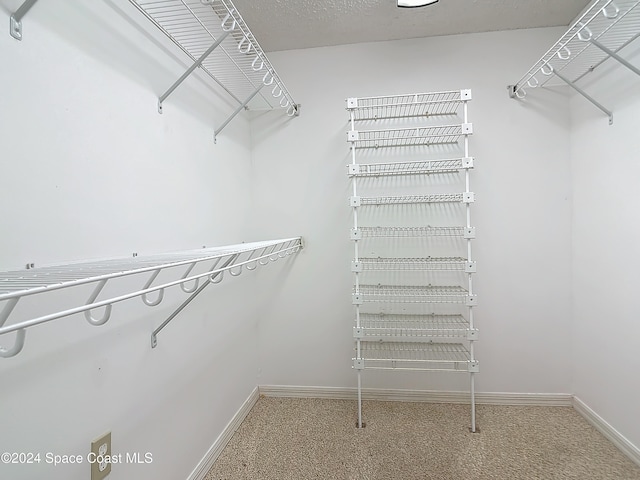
15 285
606 27
15 22
234 61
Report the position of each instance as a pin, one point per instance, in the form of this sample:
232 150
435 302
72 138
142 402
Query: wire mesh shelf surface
27 282
612 23
238 64
415 356
406 137
411 293
412 232
409 105
412 199
410 264
452 165
413 326
15 285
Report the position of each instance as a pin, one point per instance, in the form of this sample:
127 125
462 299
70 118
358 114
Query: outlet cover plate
101 450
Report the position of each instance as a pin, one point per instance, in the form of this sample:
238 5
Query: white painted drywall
606 231
522 213
89 169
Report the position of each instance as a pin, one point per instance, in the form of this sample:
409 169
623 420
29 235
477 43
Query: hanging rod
213 34
606 27
15 285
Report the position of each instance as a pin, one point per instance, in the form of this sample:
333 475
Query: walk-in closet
388 239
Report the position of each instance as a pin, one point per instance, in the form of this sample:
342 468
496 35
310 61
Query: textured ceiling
291 24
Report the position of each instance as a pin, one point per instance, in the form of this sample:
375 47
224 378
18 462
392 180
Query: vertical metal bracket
190 70
15 22
472 335
468 197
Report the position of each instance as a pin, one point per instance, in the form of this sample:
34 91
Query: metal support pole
154 339
616 56
198 62
359 400
238 110
585 95
15 22
473 403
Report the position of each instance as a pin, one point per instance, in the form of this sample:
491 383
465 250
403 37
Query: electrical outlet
101 457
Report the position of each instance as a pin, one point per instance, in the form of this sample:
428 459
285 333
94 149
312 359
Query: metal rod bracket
237 111
585 95
15 22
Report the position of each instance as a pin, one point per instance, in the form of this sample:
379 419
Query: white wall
89 169
605 172
522 213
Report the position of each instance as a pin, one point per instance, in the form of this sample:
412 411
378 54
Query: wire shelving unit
191 270
403 327
450 357
391 332
418 167
411 199
358 233
412 294
409 137
411 264
600 33
214 36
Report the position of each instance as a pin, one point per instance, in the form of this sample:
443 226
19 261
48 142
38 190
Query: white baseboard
394 395
214 452
615 437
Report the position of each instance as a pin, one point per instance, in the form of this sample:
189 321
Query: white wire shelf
412 199
394 327
413 264
414 356
599 33
412 232
421 167
411 294
15 285
238 64
409 137
408 105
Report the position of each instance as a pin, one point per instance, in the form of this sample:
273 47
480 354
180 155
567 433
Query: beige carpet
302 439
